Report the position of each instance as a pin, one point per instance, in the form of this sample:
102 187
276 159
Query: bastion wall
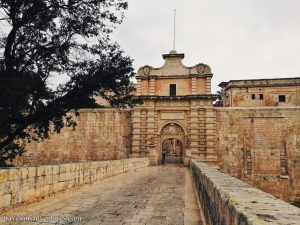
100 134
261 146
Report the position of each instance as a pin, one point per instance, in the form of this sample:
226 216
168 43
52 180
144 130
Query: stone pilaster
201 133
194 129
188 153
138 87
194 85
151 135
143 128
150 127
208 85
211 134
152 86
136 133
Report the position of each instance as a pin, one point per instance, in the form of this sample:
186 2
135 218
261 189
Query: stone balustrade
27 184
228 201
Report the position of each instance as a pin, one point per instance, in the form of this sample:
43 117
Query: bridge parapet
227 200
21 185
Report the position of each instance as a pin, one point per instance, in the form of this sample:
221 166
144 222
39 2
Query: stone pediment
174 67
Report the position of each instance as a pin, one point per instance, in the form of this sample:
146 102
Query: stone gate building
178 106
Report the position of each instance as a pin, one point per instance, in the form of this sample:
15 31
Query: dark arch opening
174 150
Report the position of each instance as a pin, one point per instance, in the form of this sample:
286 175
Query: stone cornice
175 76
274 82
183 97
260 85
173 55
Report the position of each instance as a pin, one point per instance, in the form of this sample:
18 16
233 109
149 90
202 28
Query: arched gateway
172 140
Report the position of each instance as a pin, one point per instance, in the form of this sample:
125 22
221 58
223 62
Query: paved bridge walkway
154 195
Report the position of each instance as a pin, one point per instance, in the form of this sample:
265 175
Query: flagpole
174 41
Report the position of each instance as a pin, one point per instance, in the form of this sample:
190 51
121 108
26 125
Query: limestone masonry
262 147
26 184
99 135
226 200
257 144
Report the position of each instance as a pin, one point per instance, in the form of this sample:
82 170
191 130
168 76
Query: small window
281 98
261 96
253 96
172 89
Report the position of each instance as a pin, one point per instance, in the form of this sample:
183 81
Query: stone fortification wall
228 201
261 146
26 184
100 134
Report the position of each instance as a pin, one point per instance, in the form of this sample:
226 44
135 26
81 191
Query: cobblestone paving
154 195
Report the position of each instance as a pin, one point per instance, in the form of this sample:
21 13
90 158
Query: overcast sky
239 39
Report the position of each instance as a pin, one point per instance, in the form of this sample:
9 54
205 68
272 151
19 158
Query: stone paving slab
148 196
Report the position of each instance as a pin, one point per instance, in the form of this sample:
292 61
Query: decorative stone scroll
203 69
145 71
172 130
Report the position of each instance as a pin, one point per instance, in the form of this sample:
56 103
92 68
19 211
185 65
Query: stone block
44 190
31 194
25 184
48 180
3 174
71 183
40 171
21 197
48 170
4 187
13 174
63 177
55 169
77 166
72 167
51 189
31 182
55 179
14 186
64 168
60 186
24 173
67 168
5 201
32 172
38 182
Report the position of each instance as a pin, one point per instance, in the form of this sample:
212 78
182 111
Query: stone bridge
130 192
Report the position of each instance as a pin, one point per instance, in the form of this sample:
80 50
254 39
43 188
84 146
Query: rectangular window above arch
281 98
172 89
